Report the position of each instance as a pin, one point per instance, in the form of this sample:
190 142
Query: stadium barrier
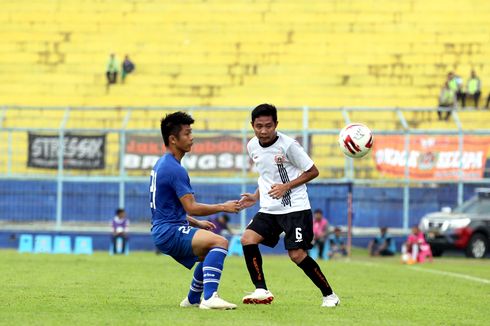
75 165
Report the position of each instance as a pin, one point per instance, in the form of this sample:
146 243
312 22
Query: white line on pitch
420 269
464 276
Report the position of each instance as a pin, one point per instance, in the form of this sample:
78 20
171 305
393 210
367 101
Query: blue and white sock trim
196 281
224 251
211 269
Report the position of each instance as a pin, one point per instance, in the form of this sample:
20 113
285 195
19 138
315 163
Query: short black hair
318 211
119 211
172 124
264 110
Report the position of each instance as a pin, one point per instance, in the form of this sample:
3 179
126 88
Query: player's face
185 139
265 129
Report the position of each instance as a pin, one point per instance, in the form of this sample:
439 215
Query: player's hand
206 225
231 206
247 200
278 190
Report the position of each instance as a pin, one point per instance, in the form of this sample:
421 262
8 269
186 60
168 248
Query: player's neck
176 153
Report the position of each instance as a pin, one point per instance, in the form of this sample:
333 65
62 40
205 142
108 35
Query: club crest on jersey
280 158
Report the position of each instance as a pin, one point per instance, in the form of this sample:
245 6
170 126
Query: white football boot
215 302
186 304
331 300
259 296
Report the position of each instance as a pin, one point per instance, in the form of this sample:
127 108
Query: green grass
145 289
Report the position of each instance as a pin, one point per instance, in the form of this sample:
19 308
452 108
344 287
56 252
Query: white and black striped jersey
280 162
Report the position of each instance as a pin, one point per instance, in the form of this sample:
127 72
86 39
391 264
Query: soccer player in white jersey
284 169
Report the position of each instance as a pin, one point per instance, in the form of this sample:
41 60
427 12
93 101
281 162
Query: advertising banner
84 152
431 157
209 153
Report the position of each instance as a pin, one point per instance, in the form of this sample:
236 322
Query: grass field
145 289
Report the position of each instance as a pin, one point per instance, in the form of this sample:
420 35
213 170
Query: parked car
466 228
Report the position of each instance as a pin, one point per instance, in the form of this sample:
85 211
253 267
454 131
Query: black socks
253 258
312 270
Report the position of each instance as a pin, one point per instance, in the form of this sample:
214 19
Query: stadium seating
235 246
119 245
219 52
323 147
25 243
83 245
62 244
43 244
235 53
314 252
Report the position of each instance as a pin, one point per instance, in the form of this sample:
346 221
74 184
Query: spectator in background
127 68
455 83
112 69
473 88
337 244
221 223
382 244
448 100
120 226
320 230
411 248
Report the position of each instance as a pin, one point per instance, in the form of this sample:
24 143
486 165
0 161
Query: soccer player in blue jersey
177 234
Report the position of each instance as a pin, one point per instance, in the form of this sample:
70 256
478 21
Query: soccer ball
355 140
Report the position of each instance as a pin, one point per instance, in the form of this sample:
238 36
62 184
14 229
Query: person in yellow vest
112 69
473 88
447 101
456 85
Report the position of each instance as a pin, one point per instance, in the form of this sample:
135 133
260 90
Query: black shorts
298 227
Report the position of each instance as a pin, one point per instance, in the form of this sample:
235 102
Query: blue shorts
175 241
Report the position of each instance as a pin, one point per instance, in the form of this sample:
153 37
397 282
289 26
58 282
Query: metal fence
116 147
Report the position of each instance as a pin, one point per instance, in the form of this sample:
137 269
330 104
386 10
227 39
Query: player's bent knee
297 255
249 238
221 242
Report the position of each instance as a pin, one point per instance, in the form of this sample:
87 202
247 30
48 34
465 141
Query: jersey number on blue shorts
185 229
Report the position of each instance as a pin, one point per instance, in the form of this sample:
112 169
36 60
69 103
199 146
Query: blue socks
197 286
212 268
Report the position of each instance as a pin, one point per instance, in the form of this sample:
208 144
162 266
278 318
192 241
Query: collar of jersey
277 137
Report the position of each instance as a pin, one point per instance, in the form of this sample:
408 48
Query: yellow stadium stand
222 53
234 53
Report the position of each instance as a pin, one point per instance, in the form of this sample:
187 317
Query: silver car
466 228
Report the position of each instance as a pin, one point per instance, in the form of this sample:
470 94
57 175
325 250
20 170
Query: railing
117 147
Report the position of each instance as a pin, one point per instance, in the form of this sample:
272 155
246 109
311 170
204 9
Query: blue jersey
169 181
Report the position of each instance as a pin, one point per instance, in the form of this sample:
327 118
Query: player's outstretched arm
198 209
248 199
278 190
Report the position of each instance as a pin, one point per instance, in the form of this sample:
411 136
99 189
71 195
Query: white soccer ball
355 140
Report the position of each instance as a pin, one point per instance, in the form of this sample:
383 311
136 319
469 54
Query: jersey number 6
299 236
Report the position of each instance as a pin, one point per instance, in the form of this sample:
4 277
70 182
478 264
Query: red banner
431 157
